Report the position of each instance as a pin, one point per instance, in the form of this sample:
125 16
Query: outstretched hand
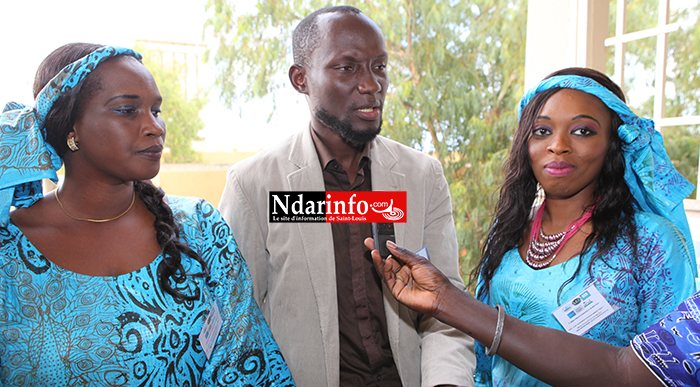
412 279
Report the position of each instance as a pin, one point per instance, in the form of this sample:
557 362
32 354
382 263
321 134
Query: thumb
403 256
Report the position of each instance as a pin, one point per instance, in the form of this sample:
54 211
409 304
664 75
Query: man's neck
347 155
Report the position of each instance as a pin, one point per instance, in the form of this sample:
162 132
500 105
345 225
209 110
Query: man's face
346 77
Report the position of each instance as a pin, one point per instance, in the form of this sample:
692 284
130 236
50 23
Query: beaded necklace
539 251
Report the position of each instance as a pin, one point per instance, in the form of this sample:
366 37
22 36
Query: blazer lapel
385 178
317 247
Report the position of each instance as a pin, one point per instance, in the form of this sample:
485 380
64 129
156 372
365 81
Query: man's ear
297 75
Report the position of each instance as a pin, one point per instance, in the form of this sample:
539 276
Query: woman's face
569 141
120 133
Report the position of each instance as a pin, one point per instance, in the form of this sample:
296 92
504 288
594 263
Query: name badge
583 311
210 330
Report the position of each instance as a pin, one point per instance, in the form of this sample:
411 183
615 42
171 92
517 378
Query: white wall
564 33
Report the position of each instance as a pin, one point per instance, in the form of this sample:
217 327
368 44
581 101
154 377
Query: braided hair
168 238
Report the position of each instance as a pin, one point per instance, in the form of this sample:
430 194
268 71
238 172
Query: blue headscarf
25 156
655 183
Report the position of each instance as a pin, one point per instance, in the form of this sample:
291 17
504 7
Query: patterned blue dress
643 293
61 328
671 347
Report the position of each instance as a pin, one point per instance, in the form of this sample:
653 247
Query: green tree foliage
181 114
683 78
683 143
456 71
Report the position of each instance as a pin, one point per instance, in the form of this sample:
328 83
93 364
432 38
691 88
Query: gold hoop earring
72 145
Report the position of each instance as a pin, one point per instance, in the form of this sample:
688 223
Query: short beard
356 138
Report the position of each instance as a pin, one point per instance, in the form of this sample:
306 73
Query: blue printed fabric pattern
643 292
58 327
671 347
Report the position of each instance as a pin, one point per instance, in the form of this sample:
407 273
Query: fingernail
390 243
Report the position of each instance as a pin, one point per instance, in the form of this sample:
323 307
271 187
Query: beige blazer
293 268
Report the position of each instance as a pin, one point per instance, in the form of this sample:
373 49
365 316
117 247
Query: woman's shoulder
40 214
205 231
189 207
185 203
660 242
648 223
197 217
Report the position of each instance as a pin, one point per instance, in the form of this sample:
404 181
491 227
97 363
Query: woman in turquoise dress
611 221
106 281
665 353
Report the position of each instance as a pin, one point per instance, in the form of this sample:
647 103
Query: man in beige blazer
300 274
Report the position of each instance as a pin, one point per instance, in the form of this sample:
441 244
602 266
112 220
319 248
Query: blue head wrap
655 183
25 157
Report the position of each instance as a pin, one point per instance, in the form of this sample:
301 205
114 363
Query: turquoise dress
643 293
62 328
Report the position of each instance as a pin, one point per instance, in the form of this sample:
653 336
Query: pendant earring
539 195
72 145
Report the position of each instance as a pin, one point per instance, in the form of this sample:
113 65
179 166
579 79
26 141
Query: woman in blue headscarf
607 252
106 281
